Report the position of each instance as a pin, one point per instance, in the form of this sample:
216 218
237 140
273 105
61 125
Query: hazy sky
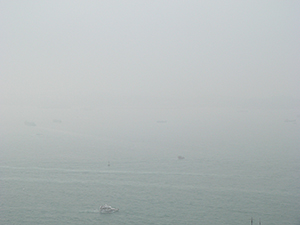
117 52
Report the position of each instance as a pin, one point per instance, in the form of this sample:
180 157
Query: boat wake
90 211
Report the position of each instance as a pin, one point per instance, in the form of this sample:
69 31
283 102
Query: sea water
165 191
69 183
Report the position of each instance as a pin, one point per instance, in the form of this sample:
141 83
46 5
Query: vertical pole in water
259 223
251 220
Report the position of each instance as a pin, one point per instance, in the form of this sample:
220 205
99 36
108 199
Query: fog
108 79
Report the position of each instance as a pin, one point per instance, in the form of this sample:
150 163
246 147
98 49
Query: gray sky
147 52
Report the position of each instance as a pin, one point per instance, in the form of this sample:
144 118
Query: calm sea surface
168 191
231 172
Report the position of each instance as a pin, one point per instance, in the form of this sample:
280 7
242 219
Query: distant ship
290 121
57 121
30 124
180 157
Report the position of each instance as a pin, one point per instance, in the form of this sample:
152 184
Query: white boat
107 209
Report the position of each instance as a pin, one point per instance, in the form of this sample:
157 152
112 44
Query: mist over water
199 132
98 100
238 164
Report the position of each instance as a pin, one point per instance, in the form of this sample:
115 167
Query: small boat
107 209
180 157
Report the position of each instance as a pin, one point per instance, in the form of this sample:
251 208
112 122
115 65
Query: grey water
229 174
